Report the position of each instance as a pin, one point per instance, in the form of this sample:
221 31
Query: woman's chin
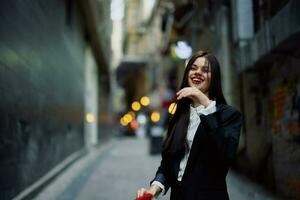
198 86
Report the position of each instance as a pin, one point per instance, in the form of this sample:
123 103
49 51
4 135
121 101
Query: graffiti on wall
284 107
285 111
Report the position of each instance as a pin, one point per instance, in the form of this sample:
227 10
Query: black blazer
212 152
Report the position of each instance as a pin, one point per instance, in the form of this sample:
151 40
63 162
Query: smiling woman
202 137
199 75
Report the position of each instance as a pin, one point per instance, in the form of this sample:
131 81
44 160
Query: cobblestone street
117 169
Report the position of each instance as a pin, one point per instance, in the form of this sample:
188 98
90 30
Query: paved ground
117 169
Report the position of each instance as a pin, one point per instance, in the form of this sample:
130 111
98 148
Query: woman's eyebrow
195 65
199 66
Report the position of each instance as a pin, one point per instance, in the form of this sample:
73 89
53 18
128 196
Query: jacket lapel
193 151
195 145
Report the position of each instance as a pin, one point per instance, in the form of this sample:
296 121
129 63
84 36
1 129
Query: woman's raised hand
198 97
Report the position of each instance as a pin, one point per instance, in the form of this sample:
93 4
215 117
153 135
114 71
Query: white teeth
198 80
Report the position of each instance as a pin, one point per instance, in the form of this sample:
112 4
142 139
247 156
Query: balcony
279 36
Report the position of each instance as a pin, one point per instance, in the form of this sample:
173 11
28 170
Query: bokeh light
127 118
90 117
132 114
136 106
172 108
142 119
134 124
122 122
155 116
145 101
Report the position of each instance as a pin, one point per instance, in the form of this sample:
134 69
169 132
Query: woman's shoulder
227 110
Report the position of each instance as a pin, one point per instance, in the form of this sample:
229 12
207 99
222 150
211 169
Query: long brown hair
178 125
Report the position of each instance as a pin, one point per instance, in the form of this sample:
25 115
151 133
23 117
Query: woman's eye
205 69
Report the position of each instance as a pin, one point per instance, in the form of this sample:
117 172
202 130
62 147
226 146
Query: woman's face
200 74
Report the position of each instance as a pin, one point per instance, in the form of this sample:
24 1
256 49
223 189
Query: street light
136 106
127 118
142 119
132 114
183 50
90 117
134 124
172 108
122 122
155 116
145 101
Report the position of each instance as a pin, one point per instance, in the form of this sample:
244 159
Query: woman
202 137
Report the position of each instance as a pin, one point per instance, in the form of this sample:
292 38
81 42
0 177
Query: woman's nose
199 71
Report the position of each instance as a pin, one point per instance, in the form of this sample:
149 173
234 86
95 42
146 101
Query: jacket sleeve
224 127
161 175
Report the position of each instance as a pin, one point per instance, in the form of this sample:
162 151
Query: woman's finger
189 92
138 194
182 94
179 92
185 93
141 192
182 90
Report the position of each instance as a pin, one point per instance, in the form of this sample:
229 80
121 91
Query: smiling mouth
196 81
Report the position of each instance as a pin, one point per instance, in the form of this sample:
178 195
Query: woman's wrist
206 102
155 190
202 101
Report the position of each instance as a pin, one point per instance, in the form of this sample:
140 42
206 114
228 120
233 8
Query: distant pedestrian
202 137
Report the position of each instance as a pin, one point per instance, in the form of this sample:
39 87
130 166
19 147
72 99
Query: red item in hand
146 196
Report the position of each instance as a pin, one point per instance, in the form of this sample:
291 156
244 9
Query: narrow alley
90 90
119 168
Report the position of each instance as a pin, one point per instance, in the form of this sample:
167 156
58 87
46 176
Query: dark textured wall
41 89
